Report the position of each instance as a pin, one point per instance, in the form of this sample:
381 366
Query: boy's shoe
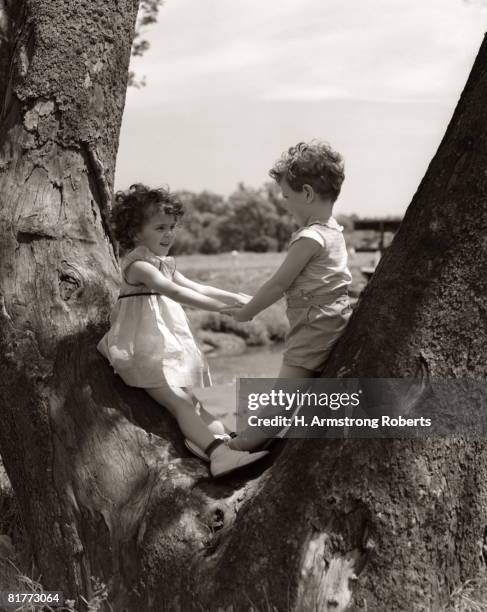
228 460
196 450
251 444
225 438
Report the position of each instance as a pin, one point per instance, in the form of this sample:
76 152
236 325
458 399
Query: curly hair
314 163
135 206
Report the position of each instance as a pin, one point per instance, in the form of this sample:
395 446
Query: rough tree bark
103 483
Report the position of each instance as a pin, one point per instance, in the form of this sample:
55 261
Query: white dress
150 343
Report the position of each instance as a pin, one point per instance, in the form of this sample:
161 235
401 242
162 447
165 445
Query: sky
233 83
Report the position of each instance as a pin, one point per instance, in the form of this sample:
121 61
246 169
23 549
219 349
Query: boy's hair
135 206
314 163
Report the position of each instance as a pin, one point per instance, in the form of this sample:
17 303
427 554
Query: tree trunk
99 471
63 76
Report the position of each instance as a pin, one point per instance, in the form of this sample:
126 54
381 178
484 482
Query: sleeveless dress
150 343
318 308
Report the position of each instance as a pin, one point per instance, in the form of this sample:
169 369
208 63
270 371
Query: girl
149 343
314 276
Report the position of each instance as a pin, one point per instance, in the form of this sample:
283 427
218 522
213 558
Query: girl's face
158 233
296 202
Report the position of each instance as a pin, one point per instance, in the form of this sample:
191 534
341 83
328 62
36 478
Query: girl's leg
214 425
253 437
223 459
180 404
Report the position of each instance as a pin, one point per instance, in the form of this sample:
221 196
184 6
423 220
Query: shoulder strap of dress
137 254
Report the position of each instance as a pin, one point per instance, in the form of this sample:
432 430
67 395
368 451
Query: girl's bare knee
172 398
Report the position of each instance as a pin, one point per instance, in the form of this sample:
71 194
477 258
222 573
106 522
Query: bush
253 332
210 244
184 242
276 323
262 244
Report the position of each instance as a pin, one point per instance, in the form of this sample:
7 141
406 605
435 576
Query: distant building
382 226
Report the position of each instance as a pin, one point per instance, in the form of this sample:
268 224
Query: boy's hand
236 313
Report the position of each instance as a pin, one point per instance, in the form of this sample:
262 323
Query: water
256 362
220 399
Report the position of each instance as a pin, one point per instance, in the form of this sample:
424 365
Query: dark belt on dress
318 299
134 294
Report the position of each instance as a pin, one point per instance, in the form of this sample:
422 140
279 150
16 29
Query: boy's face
158 233
295 201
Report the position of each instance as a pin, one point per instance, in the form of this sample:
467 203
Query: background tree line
248 220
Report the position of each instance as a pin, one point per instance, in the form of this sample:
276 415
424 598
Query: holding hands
236 310
242 298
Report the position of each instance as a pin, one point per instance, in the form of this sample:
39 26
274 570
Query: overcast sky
232 83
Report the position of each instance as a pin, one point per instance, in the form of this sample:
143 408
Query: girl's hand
236 313
242 298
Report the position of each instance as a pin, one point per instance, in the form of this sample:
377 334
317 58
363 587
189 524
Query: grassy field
246 272
260 265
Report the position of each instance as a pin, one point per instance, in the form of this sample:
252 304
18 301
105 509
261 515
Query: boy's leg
288 371
253 437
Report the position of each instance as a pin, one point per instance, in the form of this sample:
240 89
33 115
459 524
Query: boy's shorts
314 330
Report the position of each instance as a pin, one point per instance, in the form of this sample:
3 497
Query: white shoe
228 460
199 452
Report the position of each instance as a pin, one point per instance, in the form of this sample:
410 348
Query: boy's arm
300 252
149 275
228 297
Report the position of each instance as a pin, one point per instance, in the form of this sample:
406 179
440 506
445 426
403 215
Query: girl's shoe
196 450
199 452
226 460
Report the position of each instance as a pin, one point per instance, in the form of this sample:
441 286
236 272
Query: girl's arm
300 252
228 297
149 275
